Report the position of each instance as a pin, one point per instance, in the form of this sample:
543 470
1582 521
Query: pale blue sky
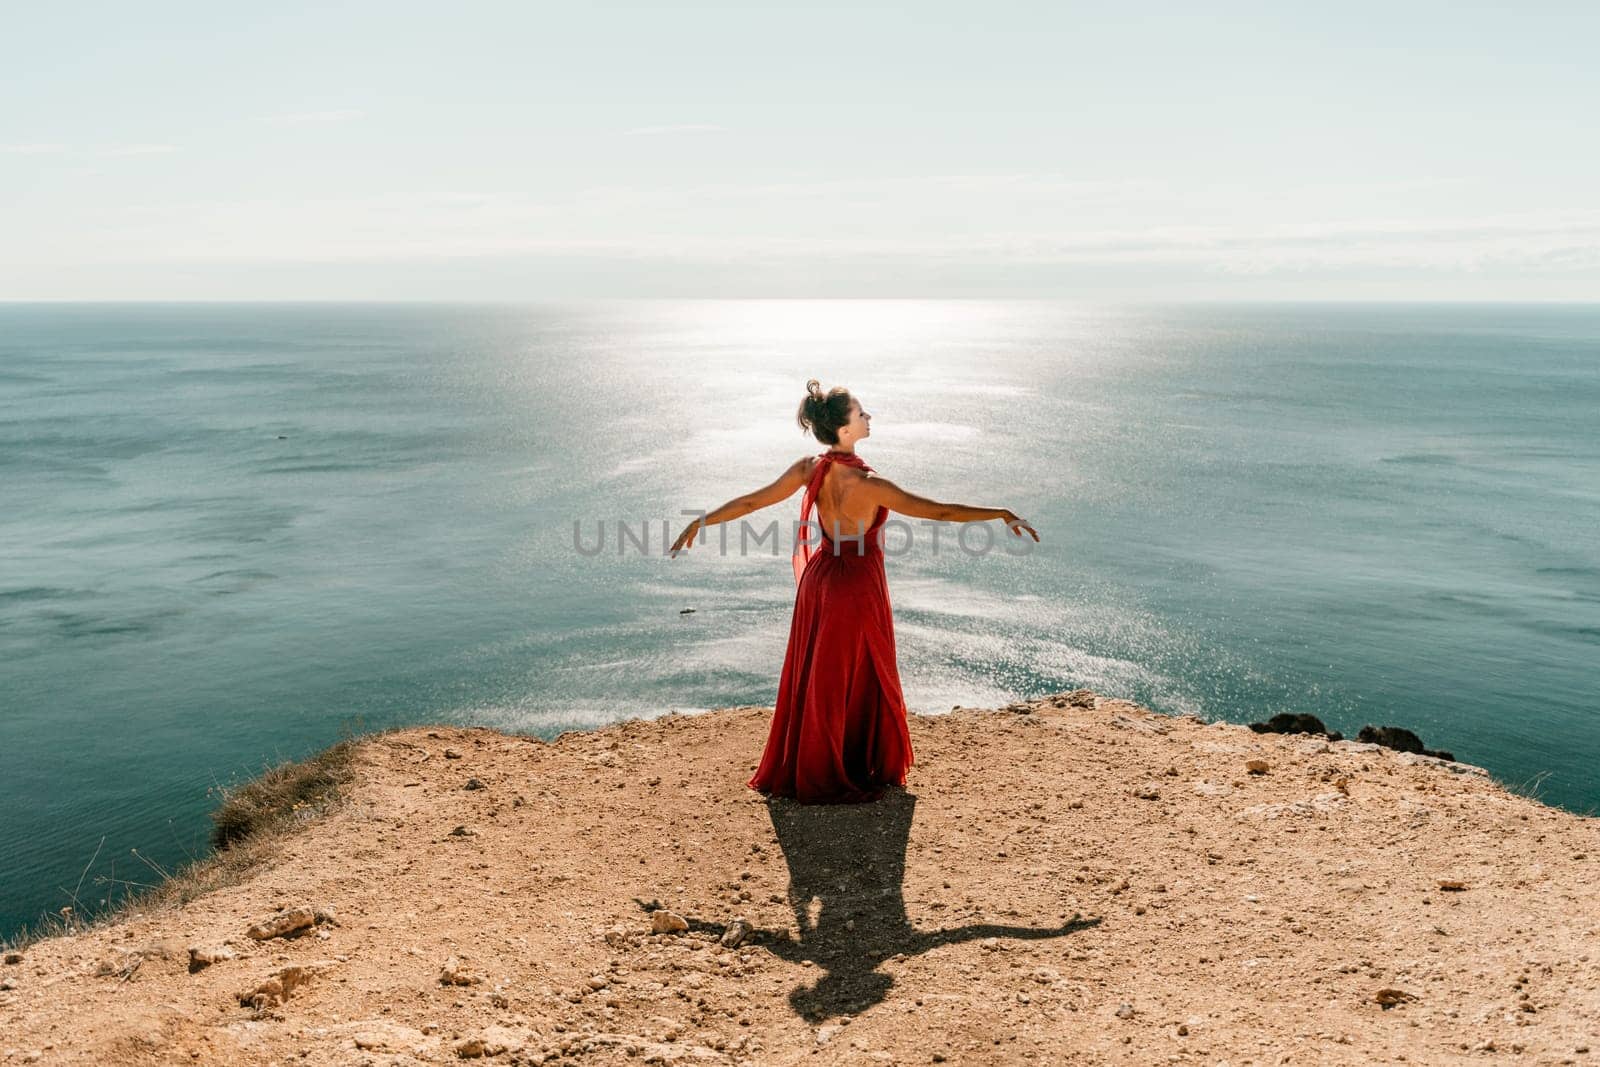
520 151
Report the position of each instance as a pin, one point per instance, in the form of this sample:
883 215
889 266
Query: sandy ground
1075 880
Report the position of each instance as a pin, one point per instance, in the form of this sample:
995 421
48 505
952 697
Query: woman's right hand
1016 525
685 539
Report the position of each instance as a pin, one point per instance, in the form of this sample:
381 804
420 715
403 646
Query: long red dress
839 732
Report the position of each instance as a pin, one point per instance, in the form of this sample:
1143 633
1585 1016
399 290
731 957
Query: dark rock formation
1398 737
1289 723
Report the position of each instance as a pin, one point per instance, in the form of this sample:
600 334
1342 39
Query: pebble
454 974
201 956
666 922
735 934
283 924
276 990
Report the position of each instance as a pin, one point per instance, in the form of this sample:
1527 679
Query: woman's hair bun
823 413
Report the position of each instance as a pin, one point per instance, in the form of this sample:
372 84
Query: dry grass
246 829
280 797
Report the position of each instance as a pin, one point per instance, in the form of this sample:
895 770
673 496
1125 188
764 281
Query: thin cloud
32 149
306 118
1562 243
140 150
682 127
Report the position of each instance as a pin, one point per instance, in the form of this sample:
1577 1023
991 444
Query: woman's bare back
842 497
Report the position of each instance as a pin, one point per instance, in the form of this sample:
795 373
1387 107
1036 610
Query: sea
231 534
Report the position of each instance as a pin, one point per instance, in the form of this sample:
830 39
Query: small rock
1449 885
735 934
1124 1010
451 753
123 966
1256 766
1147 792
462 831
160 949
454 974
276 990
474 784
387 1037
666 922
13 957
1390 997
283 924
201 957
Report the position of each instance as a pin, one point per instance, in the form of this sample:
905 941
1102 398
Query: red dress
839 732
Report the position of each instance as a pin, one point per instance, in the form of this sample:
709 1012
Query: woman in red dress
839 732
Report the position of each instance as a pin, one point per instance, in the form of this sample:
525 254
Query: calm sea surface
230 532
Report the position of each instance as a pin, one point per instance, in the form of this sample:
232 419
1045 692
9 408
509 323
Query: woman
839 732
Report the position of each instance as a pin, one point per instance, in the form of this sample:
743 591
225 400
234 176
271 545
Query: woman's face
859 426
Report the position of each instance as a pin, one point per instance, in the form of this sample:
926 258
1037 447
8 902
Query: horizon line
1087 301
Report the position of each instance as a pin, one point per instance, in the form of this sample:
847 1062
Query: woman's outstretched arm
885 493
779 489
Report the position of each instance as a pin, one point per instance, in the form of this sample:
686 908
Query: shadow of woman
846 885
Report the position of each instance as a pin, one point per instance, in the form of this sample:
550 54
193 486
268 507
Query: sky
528 151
